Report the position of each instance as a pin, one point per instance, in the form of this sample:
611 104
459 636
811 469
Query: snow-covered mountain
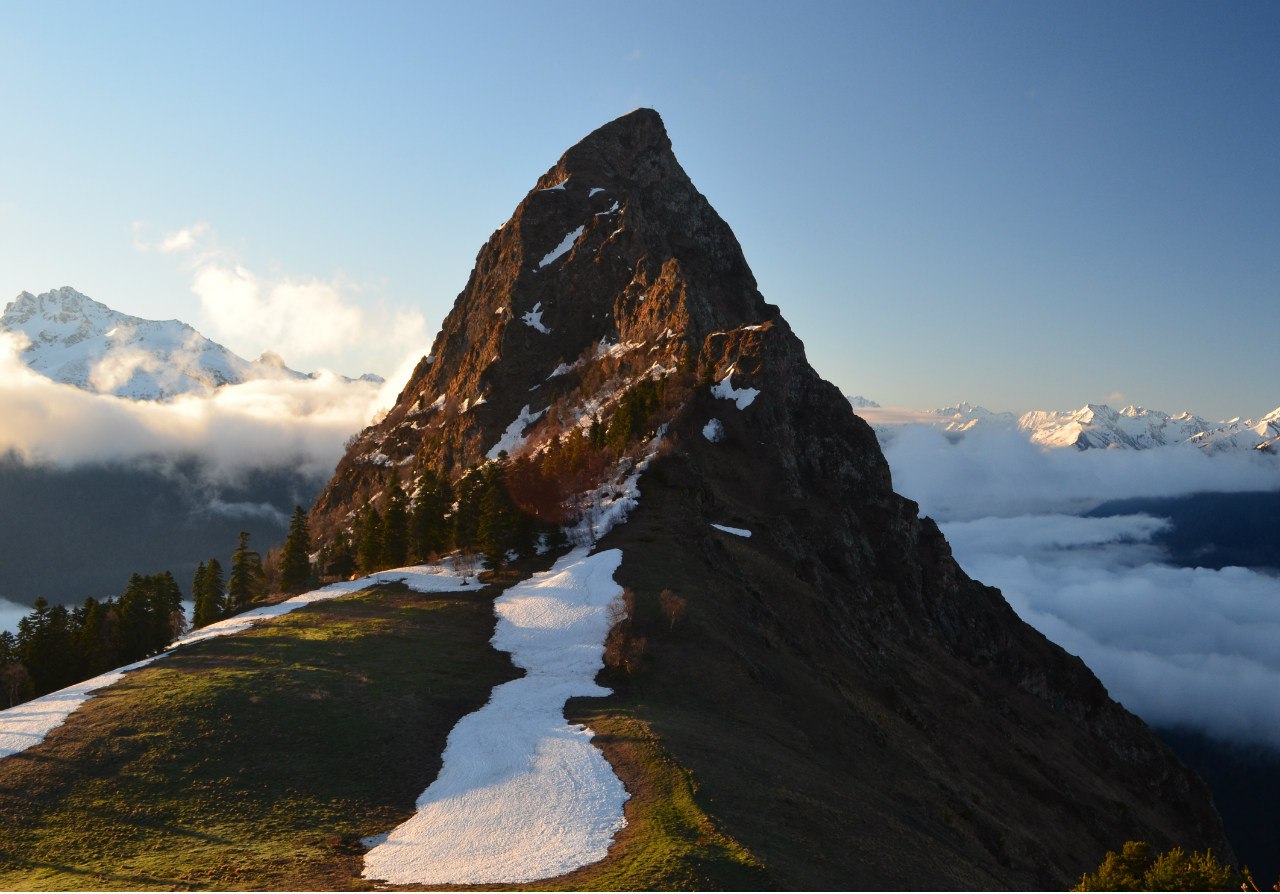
78 341
1093 426
1098 425
964 417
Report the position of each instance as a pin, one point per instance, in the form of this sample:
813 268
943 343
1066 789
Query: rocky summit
853 708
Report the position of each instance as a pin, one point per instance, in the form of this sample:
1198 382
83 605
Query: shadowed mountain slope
857 711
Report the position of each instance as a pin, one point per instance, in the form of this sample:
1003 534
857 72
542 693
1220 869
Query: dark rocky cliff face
858 711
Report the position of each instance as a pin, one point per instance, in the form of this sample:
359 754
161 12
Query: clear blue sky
1021 204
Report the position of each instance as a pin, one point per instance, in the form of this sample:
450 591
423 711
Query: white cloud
307 320
10 614
267 422
1002 473
1178 646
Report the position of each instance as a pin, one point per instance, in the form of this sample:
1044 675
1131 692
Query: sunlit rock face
858 712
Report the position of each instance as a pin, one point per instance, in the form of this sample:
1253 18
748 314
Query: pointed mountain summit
856 711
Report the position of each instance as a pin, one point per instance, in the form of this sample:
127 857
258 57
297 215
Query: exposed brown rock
858 711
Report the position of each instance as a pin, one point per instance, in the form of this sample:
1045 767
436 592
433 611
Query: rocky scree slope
857 710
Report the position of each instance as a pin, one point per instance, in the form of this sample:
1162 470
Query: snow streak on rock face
27 724
522 794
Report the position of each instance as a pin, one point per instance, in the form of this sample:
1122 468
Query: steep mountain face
78 341
856 710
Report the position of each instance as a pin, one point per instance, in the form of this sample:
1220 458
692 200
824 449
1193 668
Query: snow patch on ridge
533 319
713 431
522 794
737 532
740 396
565 244
513 438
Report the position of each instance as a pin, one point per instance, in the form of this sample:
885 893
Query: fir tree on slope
295 561
247 578
208 593
395 528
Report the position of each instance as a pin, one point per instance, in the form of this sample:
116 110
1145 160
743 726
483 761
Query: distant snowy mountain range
1093 426
78 341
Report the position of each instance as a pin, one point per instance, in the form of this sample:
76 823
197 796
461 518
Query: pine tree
215 591
395 528
369 541
200 615
428 523
246 576
295 561
495 527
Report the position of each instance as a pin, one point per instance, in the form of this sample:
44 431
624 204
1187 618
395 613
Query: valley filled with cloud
1187 647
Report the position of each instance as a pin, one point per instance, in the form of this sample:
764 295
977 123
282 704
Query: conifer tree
246 576
215 590
200 613
295 561
496 524
428 524
395 528
369 541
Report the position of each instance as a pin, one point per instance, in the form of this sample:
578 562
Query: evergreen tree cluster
478 514
56 646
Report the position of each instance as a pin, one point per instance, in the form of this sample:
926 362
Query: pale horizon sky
1016 204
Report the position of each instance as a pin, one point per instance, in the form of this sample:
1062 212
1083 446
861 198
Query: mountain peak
612 326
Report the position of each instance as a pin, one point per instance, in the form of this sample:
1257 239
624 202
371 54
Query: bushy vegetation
1135 868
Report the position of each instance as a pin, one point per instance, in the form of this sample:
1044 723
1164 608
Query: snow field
27 724
522 794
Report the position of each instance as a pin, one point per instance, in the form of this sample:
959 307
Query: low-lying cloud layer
1178 646
265 423
1002 473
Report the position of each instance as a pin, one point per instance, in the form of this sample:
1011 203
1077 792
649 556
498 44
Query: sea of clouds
1192 647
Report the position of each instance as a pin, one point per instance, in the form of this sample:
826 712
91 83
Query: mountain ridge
613 317
1095 426
75 340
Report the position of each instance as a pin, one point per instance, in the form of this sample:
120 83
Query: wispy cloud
306 319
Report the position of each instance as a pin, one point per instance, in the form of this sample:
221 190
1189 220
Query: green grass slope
258 761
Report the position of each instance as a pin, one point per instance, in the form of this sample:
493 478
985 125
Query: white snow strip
609 211
534 319
741 396
522 794
513 438
713 431
565 244
594 190
27 724
607 506
562 369
738 532
438 403
559 185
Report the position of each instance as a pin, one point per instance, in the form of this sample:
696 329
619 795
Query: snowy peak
78 341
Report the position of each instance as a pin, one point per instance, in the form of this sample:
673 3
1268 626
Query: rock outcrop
856 709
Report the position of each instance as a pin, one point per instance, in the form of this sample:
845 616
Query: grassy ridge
258 761
253 761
